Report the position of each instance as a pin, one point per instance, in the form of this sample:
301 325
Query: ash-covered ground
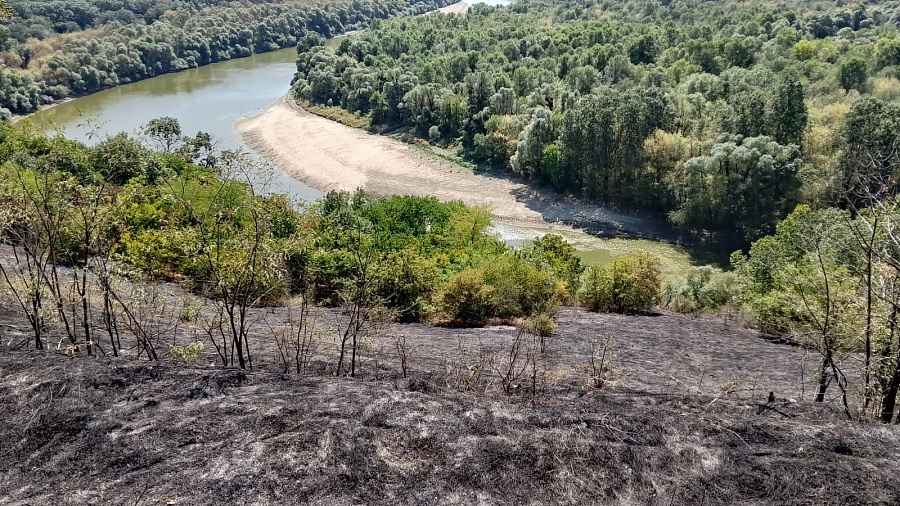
680 422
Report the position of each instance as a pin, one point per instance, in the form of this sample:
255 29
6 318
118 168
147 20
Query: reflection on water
210 99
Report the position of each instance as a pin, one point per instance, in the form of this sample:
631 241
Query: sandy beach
457 8
330 156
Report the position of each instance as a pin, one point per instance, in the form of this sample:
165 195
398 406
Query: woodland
53 49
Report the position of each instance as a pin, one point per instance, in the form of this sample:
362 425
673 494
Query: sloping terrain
112 431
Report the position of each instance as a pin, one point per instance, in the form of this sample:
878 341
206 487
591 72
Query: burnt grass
680 422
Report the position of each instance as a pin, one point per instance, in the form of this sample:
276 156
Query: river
211 99
215 97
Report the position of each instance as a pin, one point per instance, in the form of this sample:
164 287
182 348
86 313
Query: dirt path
330 156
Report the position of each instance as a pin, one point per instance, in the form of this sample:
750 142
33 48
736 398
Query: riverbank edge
17 118
258 133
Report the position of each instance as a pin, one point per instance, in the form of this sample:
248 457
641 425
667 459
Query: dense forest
720 116
58 48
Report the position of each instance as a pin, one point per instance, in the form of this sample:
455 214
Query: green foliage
54 49
507 287
854 74
612 105
466 298
704 288
559 257
810 248
189 354
870 161
121 158
748 185
631 283
541 325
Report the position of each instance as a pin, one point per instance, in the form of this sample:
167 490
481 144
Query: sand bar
457 8
330 156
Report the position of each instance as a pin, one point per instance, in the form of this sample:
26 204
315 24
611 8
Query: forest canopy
718 116
52 49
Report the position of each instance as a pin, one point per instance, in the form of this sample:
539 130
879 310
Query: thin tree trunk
889 398
868 357
824 381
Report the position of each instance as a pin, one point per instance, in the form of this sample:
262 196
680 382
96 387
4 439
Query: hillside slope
88 431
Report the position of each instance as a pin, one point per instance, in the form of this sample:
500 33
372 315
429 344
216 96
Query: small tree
165 133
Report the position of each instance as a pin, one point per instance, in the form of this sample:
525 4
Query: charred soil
684 422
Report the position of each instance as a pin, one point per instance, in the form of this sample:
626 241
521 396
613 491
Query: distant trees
602 142
746 184
870 160
620 112
131 41
853 74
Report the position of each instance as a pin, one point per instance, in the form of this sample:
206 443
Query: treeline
51 50
88 232
720 118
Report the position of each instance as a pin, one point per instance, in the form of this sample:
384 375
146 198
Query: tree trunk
824 380
889 401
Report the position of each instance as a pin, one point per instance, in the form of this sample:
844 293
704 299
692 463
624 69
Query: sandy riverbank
457 8
330 156
16 118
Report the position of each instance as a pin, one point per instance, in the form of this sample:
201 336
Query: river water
213 99
210 99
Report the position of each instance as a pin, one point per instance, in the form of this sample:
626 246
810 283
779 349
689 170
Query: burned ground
79 431
681 424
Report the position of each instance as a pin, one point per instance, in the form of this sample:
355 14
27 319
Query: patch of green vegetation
337 114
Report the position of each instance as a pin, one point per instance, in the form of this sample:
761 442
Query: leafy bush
189 354
628 284
504 287
467 298
554 253
541 325
520 289
405 282
703 288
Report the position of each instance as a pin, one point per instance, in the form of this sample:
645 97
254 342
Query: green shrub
553 252
541 325
505 287
628 284
519 288
186 354
704 288
405 282
466 298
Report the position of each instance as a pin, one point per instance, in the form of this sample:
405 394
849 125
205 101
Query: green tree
631 283
165 132
749 186
853 74
787 114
